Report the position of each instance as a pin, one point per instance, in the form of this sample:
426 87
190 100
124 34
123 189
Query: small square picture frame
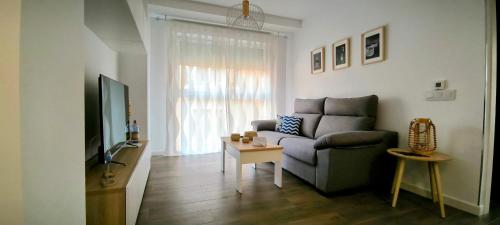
318 60
373 46
341 54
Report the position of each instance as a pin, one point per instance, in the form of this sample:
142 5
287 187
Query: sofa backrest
311 111
347 114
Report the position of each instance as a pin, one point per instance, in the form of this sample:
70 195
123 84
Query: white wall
52 112
139 10
11 191
426 40
99 59
133 72
157 83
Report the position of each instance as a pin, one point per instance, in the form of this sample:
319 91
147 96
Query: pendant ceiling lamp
246 16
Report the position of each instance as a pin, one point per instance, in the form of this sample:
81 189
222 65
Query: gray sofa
337 148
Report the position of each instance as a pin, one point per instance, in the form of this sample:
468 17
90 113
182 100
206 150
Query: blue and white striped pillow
279 118
289 124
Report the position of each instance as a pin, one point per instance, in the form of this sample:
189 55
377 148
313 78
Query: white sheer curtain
218 81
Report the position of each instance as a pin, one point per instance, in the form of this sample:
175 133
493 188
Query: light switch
440 95
440 84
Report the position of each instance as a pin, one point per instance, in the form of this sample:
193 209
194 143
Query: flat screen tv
113 106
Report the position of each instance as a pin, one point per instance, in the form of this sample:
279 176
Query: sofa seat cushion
301 149
274 137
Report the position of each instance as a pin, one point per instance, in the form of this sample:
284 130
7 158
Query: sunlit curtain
219 80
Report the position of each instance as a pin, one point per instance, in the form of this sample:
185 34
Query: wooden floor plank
191 190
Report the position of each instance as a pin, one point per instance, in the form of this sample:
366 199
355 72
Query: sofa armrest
259 125
355 138
353 159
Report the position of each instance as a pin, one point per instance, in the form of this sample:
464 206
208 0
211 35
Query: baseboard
448 200
162 152
159 152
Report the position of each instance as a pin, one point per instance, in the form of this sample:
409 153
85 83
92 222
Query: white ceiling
297 9
112 22
205 12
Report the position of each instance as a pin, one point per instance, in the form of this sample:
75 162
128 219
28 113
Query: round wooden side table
435 177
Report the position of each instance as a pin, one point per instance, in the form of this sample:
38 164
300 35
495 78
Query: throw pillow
290 125
279 119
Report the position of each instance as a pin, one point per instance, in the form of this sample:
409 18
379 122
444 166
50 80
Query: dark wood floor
192 190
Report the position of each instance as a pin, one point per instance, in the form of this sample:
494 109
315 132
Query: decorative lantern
422 136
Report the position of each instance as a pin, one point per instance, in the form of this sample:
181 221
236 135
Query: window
224 80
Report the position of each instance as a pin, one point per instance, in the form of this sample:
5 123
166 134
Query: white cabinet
135 187
118 204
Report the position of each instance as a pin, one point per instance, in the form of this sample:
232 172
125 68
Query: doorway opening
495 178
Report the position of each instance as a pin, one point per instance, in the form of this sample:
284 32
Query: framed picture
373 45
318 60
341 54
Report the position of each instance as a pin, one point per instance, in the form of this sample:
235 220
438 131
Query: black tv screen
113 104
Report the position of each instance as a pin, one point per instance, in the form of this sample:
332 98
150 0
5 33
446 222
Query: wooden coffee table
247 153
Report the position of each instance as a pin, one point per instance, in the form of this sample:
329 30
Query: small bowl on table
235 137
250 134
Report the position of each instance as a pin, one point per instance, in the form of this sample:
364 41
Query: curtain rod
206 23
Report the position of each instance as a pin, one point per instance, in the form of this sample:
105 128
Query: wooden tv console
119 203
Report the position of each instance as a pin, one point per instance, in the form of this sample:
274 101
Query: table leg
400 172
278 174
395 178
223 155
239 171
432 182
439 188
